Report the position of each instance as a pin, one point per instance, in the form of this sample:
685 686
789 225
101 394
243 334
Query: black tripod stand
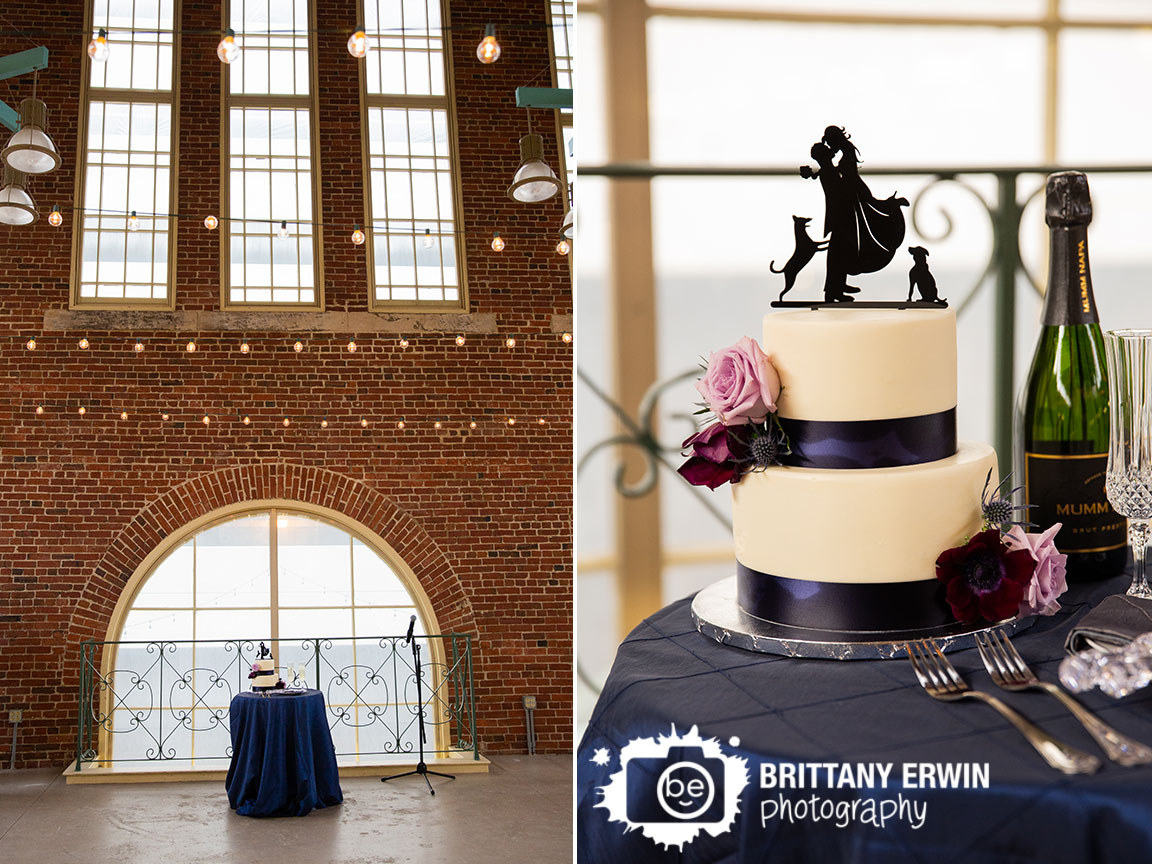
421 766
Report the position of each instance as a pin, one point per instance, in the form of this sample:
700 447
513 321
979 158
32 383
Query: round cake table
773 710
283 761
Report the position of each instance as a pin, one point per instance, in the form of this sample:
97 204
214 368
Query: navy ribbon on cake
855 606
870 443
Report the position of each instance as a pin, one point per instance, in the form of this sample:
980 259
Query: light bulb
400 425
541 421
403 342
428 241
357 236
54 218
363 422
358 43
133 221
497 242
352 346
282 231
460 340
98 47
123 415
437 425
247 420
228 50
323 424
287 422
39 409
472 425
510 342
205 419
488 51
566 338
84 343
165 416
210 222
191 346
138 347
298 347
82 411
30 344
563 247
245 348
511 421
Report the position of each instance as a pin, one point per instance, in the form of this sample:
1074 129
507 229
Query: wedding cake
263 674
844 535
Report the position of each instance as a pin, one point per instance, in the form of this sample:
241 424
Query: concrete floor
520 811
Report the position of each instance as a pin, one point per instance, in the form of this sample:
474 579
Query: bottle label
1070 489
1069 299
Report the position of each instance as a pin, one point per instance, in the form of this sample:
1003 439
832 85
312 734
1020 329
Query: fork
1010 672
940 680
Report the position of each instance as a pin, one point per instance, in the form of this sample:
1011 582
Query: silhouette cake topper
861 233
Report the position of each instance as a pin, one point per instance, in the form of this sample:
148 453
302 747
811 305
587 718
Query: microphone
411 627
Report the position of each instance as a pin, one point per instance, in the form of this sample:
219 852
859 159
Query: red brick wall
484 518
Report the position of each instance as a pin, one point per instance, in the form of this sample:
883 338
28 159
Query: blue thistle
997 506
767 447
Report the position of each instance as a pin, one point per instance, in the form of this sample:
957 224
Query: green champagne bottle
1062 421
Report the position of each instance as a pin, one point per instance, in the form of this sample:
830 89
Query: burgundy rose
716 455
984 578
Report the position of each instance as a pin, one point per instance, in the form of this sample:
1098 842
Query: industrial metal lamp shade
16 205
567 225
30 150
534 180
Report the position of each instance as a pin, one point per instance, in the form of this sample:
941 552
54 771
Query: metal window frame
228 101
108 94
447 102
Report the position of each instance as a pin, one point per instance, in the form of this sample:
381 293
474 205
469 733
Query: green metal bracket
543 97
21 63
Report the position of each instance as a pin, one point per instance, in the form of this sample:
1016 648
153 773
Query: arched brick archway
209 492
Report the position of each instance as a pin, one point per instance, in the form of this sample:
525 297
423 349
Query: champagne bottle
1063 414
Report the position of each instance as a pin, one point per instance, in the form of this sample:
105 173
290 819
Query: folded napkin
1116 621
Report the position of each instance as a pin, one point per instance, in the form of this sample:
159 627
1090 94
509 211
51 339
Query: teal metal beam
20 63
543 97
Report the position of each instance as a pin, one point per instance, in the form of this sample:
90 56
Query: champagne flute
1128 481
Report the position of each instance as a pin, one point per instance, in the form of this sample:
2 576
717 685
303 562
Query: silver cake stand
719 617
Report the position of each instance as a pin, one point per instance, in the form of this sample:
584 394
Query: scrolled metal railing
167 700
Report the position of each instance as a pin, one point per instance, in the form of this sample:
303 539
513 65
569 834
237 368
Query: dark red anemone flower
984 578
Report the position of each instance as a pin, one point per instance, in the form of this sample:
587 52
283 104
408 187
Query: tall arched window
321 592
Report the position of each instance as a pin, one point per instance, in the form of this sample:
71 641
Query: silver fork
941 681
1010 672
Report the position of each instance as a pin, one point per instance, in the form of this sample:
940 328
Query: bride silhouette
864 233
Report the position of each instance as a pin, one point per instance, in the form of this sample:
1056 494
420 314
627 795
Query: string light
54 218
39 409
30 344
228 50
123 415
511 421
488 51
357 236
352 346
472 425
324 424
138 347
247 420
83 411
363 422
191 346
566 338
133 221
460 339
245 347
287 422
541 421
563 247
358 43
210 222
437 425
205 419
83 344
298 347
428 241
497 242
98 47
403 342
165 416
282 232
400 424
510 342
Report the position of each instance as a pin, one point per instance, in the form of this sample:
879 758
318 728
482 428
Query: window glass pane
140 42
406 47
232 563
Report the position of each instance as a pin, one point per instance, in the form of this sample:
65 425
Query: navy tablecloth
283 760
790 711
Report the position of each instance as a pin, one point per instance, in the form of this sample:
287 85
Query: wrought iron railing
167 700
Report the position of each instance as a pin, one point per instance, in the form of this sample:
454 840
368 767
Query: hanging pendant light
534 180
30 149
488 51
228 50
16 205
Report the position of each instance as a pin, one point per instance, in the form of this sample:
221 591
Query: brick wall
484 516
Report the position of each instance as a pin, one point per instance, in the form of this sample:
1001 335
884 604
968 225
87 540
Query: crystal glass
1129 478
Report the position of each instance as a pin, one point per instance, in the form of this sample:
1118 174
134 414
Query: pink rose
740 386
1049 581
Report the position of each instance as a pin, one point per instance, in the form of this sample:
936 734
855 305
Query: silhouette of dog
920 278
806 248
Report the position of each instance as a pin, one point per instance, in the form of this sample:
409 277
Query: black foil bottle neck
1069 299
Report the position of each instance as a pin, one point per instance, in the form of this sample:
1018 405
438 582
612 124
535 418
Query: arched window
320 592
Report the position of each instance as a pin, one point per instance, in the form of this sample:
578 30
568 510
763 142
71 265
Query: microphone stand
421 766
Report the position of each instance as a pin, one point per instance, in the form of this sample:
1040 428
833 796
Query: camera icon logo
676 786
